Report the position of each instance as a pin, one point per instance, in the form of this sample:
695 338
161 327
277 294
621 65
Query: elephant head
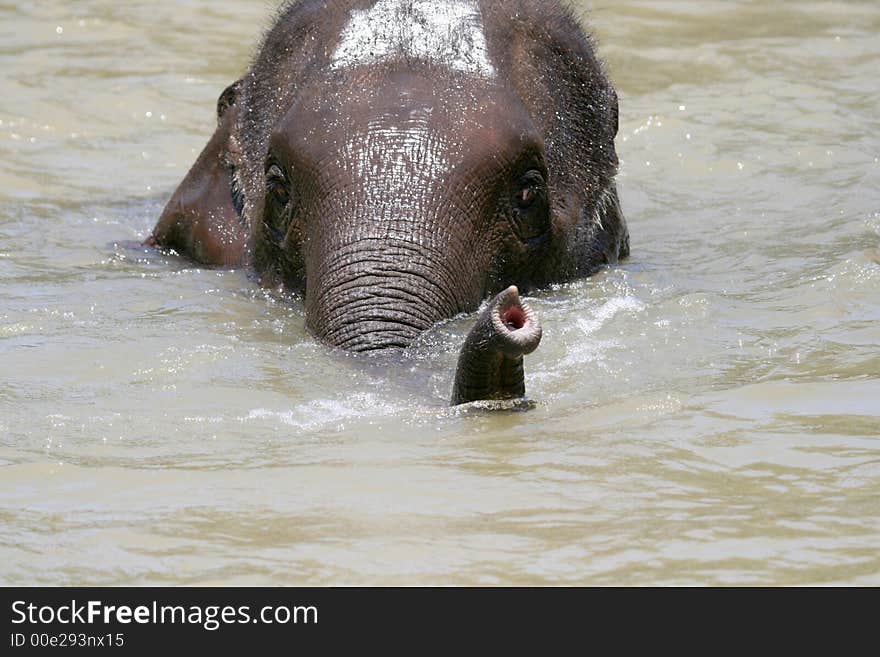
399 203
398 161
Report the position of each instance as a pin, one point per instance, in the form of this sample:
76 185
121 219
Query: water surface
706 413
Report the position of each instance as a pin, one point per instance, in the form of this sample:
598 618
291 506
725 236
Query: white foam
326 413
608 311
449 32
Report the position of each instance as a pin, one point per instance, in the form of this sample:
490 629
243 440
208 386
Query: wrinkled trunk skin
490 366
382 296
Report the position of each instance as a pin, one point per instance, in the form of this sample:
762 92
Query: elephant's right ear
203 218
227 99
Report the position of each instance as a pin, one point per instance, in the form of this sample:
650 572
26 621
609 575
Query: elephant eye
531 187
278 210
530 205
526 197
276 183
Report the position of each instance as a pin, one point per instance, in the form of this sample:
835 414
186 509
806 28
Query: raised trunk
491 362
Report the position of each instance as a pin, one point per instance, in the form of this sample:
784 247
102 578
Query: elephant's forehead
399 155
447 32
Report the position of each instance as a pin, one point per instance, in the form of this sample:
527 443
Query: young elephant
398 161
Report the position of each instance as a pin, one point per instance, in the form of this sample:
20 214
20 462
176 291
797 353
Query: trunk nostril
514 318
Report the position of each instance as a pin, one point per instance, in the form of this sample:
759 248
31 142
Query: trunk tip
516 323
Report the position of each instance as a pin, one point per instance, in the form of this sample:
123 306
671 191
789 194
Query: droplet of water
59 30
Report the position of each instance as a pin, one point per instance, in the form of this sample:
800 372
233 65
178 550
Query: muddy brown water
706 413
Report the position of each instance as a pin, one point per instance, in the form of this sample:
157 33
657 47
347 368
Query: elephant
398 162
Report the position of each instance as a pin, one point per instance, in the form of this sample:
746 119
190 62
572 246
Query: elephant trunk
376 297
490 365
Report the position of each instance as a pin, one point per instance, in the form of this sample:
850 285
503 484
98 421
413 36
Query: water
706 413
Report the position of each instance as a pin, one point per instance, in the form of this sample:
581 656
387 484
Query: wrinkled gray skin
399 161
